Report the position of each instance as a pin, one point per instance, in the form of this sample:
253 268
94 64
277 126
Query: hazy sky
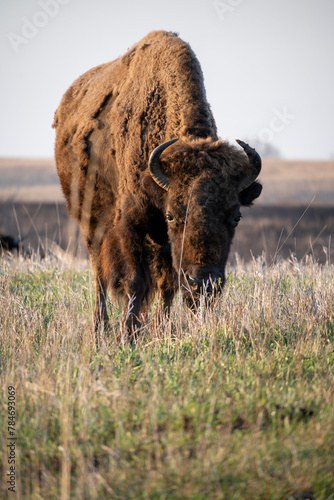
268 64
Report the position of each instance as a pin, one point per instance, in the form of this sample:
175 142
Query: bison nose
208 285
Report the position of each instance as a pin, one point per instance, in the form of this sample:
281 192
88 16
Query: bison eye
237 219
169 217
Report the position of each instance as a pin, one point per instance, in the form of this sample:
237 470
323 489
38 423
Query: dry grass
235 402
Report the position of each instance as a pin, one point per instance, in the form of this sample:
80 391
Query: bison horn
155 168
254 161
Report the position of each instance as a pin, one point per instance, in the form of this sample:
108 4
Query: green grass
236 402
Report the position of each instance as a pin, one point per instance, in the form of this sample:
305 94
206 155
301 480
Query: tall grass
234 402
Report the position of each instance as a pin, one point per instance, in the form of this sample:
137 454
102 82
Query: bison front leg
125 267
136 291
166 277
101 319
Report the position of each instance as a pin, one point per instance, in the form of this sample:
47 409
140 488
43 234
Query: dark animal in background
9 244
156 193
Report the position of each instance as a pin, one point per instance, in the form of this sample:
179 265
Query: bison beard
156 193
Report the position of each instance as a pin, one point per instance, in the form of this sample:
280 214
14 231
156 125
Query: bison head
206 183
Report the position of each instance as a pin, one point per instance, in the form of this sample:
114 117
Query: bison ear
248 195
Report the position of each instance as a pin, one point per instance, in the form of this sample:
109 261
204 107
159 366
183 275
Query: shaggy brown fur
107 124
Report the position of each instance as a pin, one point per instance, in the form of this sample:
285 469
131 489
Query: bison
156 193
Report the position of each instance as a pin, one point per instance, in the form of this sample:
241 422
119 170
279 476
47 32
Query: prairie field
233 402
